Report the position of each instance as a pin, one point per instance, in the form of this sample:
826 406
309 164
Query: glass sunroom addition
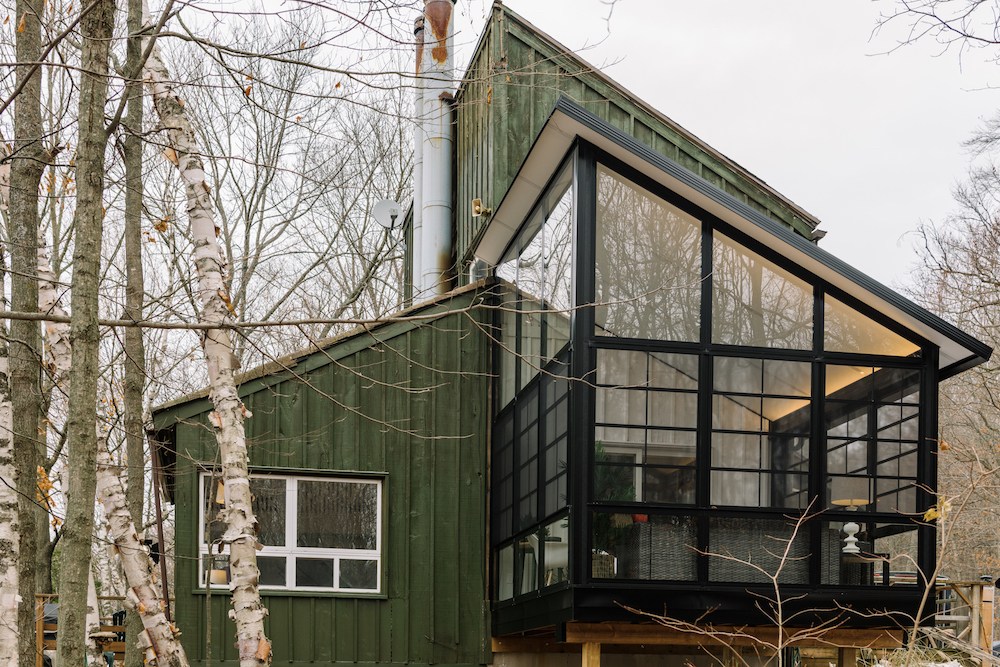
680 405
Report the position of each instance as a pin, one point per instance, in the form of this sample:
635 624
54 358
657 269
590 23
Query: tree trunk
135 354
96 30
144 596
59 359
27 163
248 612
8 517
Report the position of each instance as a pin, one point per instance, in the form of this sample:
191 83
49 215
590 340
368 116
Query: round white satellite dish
387 213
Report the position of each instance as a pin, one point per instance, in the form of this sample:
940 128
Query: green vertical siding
511 86
414 405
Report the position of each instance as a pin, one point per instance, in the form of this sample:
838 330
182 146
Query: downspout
436 261
416 242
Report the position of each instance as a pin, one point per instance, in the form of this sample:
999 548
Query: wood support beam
623 633
847 657
591 655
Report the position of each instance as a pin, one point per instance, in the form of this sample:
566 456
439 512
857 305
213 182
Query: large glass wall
717 414
733 395
531 433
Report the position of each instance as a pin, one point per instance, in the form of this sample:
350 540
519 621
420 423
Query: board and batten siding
510 88
366 405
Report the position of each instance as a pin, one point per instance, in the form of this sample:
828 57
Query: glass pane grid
315 525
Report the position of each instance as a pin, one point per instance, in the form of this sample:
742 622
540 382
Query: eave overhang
958 350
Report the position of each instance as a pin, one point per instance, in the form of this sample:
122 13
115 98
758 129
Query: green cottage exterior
490 475
405 404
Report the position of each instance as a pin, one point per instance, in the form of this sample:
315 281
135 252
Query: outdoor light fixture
852 493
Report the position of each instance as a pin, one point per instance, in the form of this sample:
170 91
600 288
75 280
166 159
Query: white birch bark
8 523
248 612
94 654
159 637
49 302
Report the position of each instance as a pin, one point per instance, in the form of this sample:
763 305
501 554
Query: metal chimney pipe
416 242
438 69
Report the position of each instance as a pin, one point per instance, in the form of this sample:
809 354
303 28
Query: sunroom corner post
581 429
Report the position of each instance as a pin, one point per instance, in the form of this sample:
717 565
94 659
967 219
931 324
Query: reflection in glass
272 570
314 572
751 550
757 303
555 551
337 515
872 421
269 508
648 273
761 421
539 265
646 425
505 573
847 330
886 556
359 574
645 547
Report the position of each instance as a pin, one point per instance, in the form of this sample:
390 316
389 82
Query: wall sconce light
852 493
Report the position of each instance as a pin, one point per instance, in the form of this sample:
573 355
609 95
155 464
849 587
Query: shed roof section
330 350
513 80
569 120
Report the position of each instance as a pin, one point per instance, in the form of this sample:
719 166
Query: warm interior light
850 492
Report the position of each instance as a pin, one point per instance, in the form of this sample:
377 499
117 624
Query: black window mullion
582 363
816 498
927 450
703 443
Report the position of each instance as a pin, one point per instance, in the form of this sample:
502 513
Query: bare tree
96 29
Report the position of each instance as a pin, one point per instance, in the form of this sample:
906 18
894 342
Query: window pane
272 570
337 515
748 550
269 508
555 552
215 526
648 273
646 547
314 572
361 574
847 330
755 302
505 573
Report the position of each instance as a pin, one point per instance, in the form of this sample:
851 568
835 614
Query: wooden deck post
847 657
39 629
591 654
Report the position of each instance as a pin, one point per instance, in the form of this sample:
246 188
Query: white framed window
318 533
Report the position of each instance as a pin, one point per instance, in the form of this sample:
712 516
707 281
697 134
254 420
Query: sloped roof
568 120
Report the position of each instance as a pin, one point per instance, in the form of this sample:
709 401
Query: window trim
290 551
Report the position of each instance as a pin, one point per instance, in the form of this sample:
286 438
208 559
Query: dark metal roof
568 120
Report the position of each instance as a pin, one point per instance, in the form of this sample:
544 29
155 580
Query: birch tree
216 309
8 515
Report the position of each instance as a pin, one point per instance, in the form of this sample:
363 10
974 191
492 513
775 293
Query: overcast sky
803 95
